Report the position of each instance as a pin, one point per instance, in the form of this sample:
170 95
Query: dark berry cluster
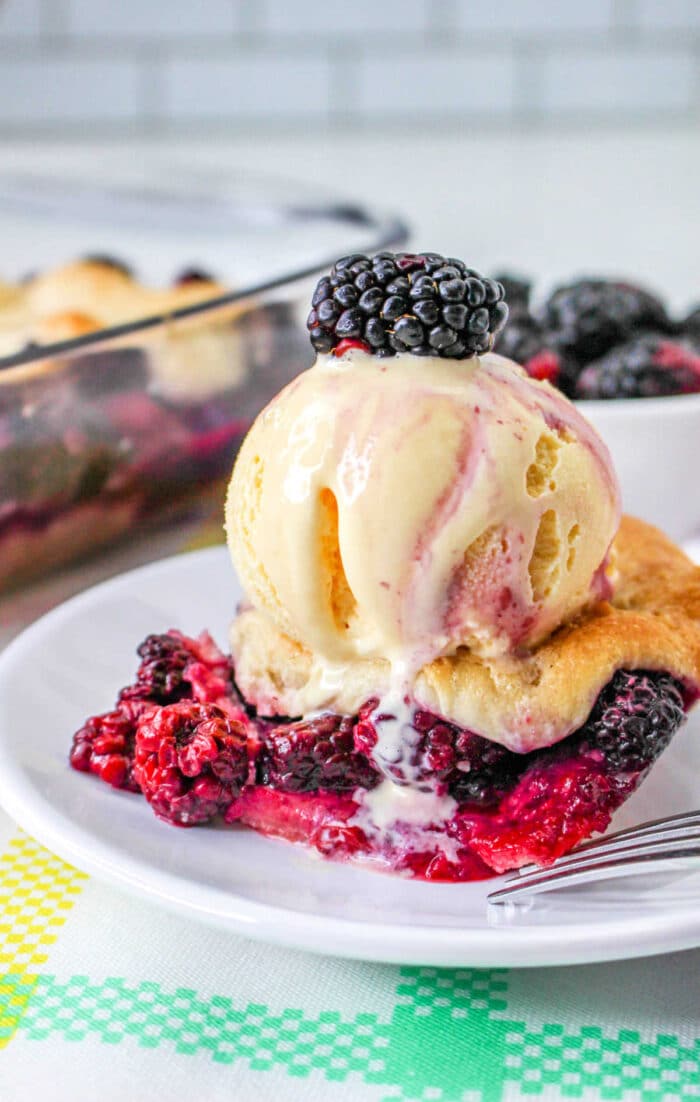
593 315
424 304
649 366
517 288
691 325
314 754
635 718
599 338
174 666
160 676
526 341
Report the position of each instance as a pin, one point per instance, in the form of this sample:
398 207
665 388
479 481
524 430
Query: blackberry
190 760
174 666
403 302
634 719
517 290
524 340
104 745
690 326
646 367
445 757
314 754
591 315
160 676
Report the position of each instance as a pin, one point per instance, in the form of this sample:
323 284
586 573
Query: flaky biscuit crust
85 296
523 701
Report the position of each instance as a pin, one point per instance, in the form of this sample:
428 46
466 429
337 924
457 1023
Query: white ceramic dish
71 663
655 445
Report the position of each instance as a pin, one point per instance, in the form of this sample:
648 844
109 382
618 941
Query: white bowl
655 446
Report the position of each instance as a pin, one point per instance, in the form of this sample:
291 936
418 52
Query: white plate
71 663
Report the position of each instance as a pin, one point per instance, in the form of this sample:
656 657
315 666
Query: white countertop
553 204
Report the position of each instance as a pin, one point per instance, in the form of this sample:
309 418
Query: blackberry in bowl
454 656
616 348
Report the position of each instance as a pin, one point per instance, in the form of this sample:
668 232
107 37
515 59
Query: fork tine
686 818
616 844
635 860
649 844
655 827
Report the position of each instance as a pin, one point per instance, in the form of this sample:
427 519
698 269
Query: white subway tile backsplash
513 17
149 19
364 17
19 18
669 14
429 84
246 87
68 90
618 83
346 62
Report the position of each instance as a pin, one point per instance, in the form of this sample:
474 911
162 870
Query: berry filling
190 761
173 667
104 745
460 806
116 456
313 754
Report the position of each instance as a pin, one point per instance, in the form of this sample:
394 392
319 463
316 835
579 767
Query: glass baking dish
106 433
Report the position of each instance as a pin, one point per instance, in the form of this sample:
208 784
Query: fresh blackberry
521 338
590 316
690 326
403 302
524 340
649 366
190 761
634 719
444 757
517 290
314 754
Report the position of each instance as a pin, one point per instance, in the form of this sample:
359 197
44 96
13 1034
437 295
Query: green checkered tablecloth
105 997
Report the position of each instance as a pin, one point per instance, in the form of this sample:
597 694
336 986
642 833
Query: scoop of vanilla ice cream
402 508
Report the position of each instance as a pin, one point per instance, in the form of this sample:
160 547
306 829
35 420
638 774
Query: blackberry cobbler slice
454 657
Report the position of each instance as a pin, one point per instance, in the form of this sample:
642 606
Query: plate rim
547 944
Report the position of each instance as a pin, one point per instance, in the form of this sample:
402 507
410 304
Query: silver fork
661 844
